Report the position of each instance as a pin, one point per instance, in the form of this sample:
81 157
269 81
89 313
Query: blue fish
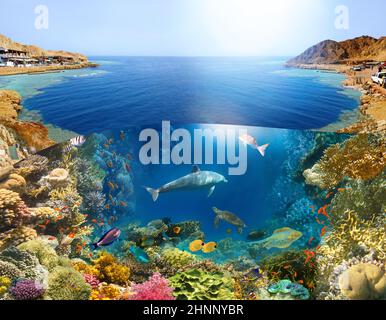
107 239
139 254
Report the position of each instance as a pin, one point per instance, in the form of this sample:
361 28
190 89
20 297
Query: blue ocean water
267 197
127 91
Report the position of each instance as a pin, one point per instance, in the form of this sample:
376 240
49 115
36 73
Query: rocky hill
35 51
349 51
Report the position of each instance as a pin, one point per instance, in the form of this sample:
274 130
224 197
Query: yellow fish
196 245
209 247
281 238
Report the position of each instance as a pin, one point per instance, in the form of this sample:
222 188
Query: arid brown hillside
349 51
35 51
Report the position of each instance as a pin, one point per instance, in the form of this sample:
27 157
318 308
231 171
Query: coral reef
156 288
363 282
287 287
195 284
65 283
361 157
27 290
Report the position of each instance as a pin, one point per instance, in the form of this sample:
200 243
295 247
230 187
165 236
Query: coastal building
13 57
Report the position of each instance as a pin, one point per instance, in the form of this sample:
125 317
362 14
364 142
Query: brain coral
66 283
363 281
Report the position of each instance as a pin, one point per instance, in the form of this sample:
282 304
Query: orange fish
59 218
323 232
341 189
42 226
295 274
287 267
91 255
57 209
94 220
177 230
318 221
72 235
301 281
311 239
51 238
111 185
275 273
107 206
329 195
85 215
313 208
123 204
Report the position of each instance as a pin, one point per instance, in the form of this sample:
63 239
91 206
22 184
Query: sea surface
126 91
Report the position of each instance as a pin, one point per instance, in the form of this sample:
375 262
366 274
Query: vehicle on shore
379 78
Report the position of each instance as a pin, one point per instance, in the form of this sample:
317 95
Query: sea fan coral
156 288
27 290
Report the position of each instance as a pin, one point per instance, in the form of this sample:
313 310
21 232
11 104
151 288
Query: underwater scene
248 214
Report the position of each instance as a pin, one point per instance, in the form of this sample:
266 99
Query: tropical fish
107 239
129 157
111 185
196 180
77 142
256 235
209 247
257 272
122 135
110 164
310 240
229 231
228 217
281 238
329 195
177 230
67 240
249 140
196 245
122 203
323 232
139 254
127 167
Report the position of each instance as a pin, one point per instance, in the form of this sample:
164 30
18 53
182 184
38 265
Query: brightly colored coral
110 270
27 290
5 283
361 157
176 258
155 288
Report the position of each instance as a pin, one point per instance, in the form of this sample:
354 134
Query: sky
189 27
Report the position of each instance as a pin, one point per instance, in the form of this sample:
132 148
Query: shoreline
11 71
372 107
